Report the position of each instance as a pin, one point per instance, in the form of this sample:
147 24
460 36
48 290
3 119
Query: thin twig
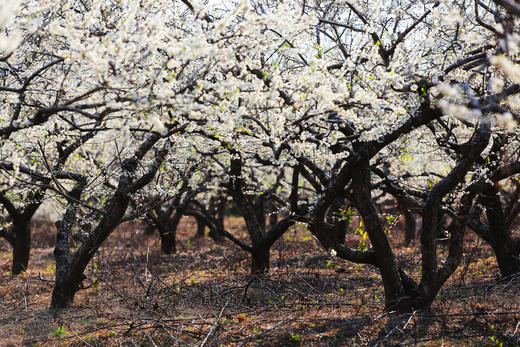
79 337
214 325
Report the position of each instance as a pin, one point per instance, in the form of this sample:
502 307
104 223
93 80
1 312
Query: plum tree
115 108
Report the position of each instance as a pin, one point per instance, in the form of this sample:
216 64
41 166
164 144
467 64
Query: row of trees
113 111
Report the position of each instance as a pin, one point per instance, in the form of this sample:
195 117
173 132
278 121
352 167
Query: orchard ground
204 295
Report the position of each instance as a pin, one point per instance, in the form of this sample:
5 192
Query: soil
203 295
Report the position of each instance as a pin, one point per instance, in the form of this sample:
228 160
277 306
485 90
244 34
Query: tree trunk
507 255
253 217
64 289
410 223
72 275
215 235
259 207
260 260
201 228
432 277
21 246
63 293
168 245
409 227
219 225
167 229
503 245
395 296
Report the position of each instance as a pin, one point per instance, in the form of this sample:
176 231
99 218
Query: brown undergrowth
204 296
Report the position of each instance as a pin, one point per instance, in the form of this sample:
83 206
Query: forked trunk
65 289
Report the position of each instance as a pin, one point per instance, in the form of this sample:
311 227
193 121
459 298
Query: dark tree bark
168 243
273 216
168 240
72 274
512 206
254 216
400 290
161 222
19 235
505 247
201 228
260 260
219 210
64 291
497 230
410 224
167 219
395 295
21 246
434 277
21 232
250 215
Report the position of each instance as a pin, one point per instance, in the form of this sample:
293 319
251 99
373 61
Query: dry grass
203 295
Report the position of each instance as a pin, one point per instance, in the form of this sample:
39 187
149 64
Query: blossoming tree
115 107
